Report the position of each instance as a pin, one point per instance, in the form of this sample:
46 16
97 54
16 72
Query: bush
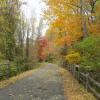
51 58
13 69
73 57
28 66
89 48
1 57
3 71
19 62
63 50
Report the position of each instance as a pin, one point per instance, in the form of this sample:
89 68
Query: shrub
3 72
13 69
19 62
52 58
1 57
89 48
73 57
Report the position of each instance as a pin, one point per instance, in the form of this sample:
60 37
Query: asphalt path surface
44 84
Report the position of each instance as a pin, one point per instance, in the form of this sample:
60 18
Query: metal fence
84 78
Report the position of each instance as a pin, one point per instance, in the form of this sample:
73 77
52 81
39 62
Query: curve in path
44 84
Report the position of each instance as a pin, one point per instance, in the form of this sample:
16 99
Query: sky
34 8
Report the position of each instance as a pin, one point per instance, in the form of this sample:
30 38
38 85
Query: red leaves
43 43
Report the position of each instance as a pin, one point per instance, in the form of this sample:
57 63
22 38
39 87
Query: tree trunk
27 45
84 25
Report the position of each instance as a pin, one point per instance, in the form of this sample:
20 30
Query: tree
77 14
43 43
72 21
10 18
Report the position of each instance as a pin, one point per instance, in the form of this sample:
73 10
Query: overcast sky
33 8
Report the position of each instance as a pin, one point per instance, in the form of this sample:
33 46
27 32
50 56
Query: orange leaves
95 28
67 26
66 30
60 41
68 40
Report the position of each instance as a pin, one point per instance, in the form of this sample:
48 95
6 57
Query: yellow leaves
68 25
66 29
73 57
95 28
66 22
60 41
59 22
77 35
68 40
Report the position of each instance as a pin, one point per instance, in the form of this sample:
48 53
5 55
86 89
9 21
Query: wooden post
87 80
8 69
70 68
74 71
78 76
77 70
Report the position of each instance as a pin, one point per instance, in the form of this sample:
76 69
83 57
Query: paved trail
45 84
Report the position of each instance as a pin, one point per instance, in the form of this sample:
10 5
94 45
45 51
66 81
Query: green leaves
89 48
8 26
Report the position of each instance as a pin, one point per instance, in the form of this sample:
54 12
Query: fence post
77 70
74 69
78 75
8 69
87 80
70 67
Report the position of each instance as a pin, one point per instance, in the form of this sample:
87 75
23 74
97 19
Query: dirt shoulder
72 89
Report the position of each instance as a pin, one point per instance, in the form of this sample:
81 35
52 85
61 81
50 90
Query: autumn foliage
43 44
74 22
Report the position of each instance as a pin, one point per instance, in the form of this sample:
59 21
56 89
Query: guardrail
84 78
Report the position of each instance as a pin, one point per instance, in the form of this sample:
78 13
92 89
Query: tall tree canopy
73 20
